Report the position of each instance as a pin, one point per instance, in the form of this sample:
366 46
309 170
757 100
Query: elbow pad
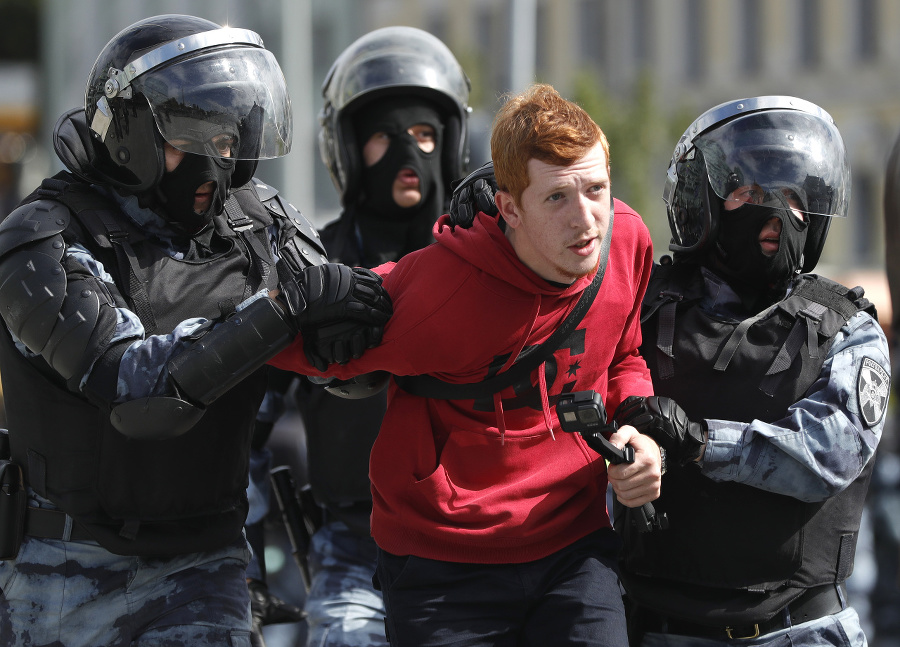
231 351
57 309
155 418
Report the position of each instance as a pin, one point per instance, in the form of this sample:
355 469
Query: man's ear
508 208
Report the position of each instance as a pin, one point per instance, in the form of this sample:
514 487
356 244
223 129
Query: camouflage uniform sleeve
827 438
142 367
127 325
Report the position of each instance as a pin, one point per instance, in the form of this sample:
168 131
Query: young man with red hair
491 522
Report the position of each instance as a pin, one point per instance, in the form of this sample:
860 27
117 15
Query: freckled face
564 214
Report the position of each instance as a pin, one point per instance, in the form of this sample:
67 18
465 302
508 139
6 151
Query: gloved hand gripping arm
59 303
341 311
665 422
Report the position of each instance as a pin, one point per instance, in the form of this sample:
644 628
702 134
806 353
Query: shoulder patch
873 385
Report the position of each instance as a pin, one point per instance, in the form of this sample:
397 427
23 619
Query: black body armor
151 497
732 550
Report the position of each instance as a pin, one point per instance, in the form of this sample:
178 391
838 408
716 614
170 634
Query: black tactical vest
150 497
729 536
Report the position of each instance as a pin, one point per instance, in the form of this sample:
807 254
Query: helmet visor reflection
229 103
767 156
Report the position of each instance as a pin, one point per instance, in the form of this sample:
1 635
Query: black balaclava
387 230
758 278
175 192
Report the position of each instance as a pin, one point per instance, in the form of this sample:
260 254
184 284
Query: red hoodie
495 480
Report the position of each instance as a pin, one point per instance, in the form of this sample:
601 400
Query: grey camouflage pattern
98 598
343 608
822 445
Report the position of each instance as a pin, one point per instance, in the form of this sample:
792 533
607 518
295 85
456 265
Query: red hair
539 124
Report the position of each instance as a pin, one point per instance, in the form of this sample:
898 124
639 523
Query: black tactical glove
268 609
472 194
340 310
666 423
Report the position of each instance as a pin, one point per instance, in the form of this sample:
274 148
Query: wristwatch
662 461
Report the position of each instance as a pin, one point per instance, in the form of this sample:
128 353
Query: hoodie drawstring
501 422
542 382
545 401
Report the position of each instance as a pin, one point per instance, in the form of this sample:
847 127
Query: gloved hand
665 422
472 194
338 343
268 609
340 310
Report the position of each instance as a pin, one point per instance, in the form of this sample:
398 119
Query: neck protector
175 192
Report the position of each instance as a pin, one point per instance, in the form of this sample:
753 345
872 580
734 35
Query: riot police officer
781 380
394 134
138 307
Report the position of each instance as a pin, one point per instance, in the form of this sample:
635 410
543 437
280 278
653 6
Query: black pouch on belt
13 500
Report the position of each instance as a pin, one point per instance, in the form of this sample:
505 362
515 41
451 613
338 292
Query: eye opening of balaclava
176 191
388 230
738 250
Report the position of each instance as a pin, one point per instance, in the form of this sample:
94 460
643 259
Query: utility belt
814 603
18 520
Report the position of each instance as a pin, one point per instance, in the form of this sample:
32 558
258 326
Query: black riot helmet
780 146
393 61
203 88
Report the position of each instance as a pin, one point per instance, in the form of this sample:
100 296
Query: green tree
641 139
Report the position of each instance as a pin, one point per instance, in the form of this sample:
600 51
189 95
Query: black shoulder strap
843 300
820 294
428 386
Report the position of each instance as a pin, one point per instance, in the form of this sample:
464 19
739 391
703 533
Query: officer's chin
203 206
408 198
195 223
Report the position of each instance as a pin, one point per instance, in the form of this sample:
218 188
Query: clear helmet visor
778 156
230 103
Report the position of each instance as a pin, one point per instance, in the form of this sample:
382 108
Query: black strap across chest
428 386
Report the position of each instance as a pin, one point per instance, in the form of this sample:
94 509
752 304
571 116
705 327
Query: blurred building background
643 68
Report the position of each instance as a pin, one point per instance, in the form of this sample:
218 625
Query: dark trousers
572 597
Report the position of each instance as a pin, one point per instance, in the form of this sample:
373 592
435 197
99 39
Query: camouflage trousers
342 607
77 594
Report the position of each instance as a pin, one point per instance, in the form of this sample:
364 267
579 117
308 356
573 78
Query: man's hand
472 194
340 310
639 482
665 422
